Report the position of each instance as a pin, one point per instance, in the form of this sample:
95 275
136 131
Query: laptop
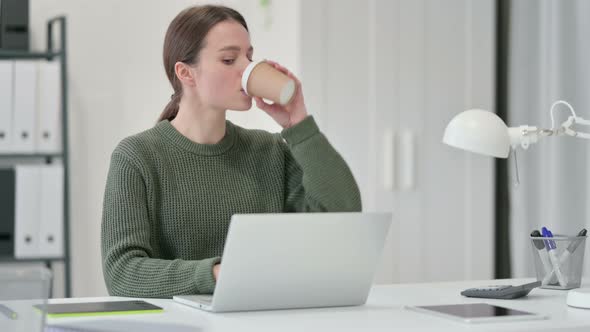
296 260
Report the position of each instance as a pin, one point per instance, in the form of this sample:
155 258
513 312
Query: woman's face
222 61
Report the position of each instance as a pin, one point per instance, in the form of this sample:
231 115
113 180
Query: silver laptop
296 260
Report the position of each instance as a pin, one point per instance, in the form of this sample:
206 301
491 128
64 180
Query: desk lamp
485 133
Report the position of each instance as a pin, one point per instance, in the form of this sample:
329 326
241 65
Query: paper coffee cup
260 79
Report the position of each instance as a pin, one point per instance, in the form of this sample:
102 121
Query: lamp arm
524 136
566 127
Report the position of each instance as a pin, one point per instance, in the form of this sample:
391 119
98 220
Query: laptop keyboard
205 299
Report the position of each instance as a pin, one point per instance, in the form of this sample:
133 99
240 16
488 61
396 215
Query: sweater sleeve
129 267
317 178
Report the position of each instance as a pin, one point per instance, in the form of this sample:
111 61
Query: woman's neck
199 124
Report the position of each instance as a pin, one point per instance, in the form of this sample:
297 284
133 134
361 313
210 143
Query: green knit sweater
168 201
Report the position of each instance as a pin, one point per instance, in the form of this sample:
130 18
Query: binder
25 106
49 116
51 211
6 104
7 183
27 198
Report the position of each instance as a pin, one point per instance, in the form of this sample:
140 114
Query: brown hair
185 39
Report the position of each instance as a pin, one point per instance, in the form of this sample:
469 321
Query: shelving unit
50 54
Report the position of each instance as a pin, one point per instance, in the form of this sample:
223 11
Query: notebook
56 310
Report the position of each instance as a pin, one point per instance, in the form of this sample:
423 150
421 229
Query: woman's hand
290 114
216 271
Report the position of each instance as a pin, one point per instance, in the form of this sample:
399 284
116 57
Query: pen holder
20 290
558 260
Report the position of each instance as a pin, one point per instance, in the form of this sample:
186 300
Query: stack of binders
30 104
31 217
31 194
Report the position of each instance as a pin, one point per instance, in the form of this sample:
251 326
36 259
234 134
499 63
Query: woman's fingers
260 104
264 106
280 68
287 72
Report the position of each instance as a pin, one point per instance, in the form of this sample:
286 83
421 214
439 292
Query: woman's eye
228 61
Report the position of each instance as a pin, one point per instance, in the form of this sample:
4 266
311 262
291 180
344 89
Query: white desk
383 312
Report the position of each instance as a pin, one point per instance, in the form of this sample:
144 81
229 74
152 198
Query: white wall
383 70
117 87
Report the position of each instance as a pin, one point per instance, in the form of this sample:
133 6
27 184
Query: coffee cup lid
246 75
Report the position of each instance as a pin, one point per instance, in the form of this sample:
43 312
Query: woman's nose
243 64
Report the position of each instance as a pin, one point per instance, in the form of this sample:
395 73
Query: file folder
27 197
51 211
7 183
49 116
25 106
6 104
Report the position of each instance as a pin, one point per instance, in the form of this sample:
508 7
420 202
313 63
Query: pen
8 312
570 249
543 255
550 245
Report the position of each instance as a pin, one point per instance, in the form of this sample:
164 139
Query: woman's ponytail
171 109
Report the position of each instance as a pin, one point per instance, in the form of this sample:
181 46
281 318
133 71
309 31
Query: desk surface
383 312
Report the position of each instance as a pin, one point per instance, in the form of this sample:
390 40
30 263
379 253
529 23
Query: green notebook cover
56 310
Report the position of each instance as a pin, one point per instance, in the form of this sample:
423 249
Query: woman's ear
184 74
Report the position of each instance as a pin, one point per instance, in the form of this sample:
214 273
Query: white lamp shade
478 131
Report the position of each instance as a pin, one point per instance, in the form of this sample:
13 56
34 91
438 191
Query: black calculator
501 291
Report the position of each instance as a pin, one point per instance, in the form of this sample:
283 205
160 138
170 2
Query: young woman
172 189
